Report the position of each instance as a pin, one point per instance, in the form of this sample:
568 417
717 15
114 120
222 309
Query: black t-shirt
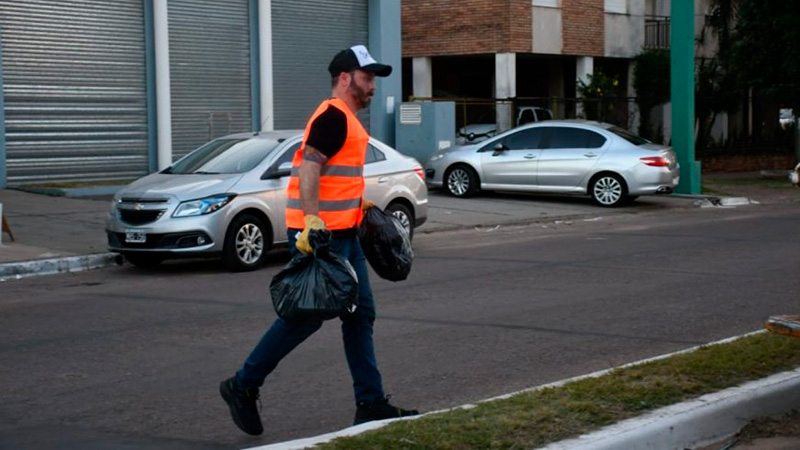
328 131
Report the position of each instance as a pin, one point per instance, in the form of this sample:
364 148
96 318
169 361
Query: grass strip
538 417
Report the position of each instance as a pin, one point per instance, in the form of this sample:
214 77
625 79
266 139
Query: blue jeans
282 337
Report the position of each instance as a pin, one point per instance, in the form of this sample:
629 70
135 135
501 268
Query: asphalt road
124 358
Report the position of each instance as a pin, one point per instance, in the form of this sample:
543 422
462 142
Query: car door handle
383 180
529 156
590 155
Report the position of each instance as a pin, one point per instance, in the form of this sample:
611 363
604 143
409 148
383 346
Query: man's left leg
371 403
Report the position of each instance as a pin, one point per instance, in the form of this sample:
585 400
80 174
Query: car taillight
655 161
420 172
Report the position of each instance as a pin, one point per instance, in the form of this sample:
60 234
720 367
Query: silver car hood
182 187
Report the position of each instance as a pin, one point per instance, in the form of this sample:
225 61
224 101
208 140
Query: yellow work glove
366 204
312 223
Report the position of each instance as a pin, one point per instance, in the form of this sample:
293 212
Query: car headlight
202 206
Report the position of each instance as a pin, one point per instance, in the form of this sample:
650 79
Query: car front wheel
246 243
461 181
608 190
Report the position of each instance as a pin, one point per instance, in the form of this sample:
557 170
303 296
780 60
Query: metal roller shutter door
305 36
75 92
209 46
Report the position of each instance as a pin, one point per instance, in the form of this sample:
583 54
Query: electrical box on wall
422 128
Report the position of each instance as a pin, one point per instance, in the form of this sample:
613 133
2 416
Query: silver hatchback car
570 157
227 198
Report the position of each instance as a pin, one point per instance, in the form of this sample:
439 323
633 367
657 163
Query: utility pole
682 82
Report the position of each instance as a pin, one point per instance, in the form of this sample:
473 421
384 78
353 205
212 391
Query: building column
584 66
163 95
3 152
267 99
422 81
505 87
384 45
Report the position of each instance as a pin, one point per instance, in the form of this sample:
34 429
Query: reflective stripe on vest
341 182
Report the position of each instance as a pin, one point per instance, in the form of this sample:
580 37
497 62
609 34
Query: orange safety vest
341 182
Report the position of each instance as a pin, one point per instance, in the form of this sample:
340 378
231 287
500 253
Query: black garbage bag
319 286
386 244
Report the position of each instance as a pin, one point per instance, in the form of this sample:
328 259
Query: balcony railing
656 32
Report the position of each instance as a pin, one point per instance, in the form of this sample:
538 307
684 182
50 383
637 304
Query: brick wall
583 27
466 27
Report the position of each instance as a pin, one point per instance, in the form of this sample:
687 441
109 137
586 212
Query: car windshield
628 136
225 156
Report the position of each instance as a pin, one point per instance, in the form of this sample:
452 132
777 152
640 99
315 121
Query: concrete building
99 90
518 48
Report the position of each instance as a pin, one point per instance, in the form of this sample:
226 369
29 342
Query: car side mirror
284 170
499 148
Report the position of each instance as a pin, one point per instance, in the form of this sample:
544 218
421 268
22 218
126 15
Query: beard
360 95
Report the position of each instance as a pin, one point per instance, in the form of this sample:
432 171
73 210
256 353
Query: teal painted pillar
150 73
682 79
255 64
385 46
2 121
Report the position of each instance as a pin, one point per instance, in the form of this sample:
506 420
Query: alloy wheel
249 243
607 191
458 181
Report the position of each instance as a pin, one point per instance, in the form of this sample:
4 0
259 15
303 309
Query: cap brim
381 70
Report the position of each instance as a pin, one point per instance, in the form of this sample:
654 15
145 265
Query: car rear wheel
405 215
246 243
461 181
144 260
608 189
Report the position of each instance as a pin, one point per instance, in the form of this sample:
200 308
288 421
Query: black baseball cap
357 57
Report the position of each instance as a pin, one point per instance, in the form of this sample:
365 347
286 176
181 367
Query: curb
17 270
700 422
759 396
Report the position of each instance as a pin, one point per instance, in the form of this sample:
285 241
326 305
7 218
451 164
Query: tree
598 96
765 48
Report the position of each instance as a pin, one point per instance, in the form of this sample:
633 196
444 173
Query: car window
374 155
237 155
567 137
628 136
526 116
523 139
544 114
288 155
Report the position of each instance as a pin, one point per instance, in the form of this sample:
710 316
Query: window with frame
546 3
374 155
523 139
288 155
566 137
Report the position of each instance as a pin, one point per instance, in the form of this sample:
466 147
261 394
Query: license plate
135 236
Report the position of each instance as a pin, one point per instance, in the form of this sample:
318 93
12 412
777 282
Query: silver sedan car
227 198
570 157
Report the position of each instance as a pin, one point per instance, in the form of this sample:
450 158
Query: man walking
326 191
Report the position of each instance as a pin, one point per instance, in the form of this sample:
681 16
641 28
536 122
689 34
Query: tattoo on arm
309 180
314 155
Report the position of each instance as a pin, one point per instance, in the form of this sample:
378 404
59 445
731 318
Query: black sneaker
242 403
379 410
